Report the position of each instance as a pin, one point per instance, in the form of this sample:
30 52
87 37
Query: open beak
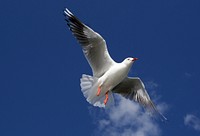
134 59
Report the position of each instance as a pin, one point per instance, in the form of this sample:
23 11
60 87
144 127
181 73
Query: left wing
93 45
134 89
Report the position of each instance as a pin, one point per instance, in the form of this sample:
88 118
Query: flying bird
108 76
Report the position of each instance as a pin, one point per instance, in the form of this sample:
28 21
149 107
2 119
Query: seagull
108 76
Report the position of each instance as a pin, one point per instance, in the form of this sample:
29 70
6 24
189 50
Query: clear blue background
41 62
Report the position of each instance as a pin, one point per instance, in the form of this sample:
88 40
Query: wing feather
93 45
134 89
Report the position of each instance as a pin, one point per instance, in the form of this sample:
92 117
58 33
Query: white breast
113 76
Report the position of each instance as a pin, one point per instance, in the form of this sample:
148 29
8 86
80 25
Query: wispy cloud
187 74
151 85
127 118
192 121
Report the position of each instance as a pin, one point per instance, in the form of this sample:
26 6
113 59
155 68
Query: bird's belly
112 78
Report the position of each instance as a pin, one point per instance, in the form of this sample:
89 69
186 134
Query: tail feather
86 83
89 86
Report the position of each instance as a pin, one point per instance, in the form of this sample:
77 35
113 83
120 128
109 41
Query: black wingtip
160 116
66 20
67 12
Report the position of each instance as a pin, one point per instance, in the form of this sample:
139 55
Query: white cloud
192 121
126 118
151 85
162 107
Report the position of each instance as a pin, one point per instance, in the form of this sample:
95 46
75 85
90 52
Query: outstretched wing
93 45
134 89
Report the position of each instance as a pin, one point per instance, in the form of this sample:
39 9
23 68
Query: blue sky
41 64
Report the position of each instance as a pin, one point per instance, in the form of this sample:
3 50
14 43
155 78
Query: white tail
89 87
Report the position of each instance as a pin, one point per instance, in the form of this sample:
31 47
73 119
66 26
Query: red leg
98 90
106 99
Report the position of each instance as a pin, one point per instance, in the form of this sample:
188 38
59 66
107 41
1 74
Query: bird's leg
106 99
98 90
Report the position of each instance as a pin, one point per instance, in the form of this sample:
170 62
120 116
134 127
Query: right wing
93 45
134 89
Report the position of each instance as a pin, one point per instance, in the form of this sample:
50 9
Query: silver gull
108 76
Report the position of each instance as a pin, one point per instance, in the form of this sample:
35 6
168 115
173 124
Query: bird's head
129 60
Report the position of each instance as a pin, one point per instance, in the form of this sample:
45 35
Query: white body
113 77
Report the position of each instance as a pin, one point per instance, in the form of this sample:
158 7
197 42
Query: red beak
134 59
